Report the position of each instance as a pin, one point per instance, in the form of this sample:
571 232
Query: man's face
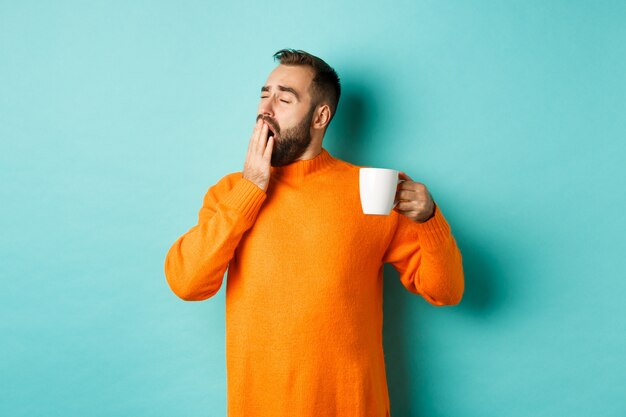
287 107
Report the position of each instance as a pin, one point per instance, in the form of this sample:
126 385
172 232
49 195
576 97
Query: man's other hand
257 166
414 200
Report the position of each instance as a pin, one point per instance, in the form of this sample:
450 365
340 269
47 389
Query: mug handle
395 202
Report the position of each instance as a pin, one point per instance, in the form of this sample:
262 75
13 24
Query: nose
266 107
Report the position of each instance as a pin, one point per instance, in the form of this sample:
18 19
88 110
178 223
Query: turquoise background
116 117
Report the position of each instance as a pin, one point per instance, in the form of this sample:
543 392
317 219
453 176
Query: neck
300 170
314 149
310 153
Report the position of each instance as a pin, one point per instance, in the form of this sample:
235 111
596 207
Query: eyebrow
282 88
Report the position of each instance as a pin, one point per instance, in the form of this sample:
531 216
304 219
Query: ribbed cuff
433 232
245 197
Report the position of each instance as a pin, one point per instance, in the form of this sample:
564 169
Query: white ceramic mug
377 187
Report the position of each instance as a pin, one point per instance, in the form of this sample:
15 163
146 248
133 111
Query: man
304 287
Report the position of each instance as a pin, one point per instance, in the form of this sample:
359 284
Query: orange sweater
304 289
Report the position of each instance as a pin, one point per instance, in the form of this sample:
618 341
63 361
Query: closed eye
284 101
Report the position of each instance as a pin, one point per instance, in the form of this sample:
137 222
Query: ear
321 117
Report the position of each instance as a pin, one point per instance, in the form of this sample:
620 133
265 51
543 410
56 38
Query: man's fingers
262 140
405 206
267 155
255 134
400 208
406 195
411 186
257 129
257 164
404 177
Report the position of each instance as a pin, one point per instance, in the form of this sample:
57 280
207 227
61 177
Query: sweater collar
302 169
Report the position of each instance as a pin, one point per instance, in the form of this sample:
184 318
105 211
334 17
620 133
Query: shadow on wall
482 296
410 385
348 135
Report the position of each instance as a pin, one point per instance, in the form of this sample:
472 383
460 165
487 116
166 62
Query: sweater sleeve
196 262
428 259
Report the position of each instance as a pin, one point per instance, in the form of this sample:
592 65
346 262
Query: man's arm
428 259
196 263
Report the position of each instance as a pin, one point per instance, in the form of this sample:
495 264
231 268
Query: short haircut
325 85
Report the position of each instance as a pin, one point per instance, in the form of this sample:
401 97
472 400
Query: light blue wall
115 117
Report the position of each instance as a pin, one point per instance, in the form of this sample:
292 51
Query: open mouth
270 131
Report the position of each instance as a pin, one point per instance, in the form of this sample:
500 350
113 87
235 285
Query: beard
291 143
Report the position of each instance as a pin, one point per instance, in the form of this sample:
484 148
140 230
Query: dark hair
325 86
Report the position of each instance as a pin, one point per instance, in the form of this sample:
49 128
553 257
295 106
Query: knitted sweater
304 289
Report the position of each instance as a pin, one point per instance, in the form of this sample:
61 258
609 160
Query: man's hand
414 200
257 165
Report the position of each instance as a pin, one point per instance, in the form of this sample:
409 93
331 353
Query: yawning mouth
270 131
